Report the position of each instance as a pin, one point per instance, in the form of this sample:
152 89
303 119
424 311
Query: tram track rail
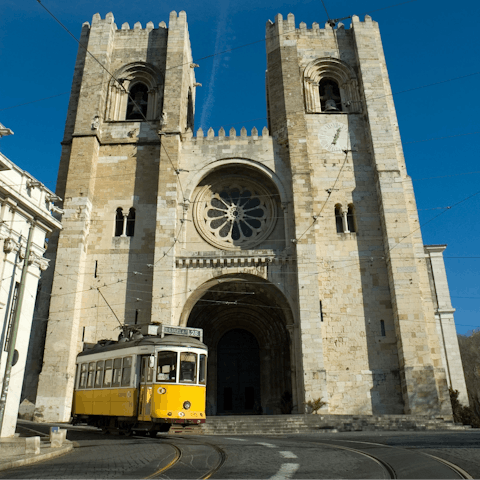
175 460
391 470
386 466
179 454
458 470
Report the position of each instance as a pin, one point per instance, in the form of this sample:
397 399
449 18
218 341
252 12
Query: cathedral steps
287 424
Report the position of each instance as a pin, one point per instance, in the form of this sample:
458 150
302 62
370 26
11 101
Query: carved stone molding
37 261
10 245
234 261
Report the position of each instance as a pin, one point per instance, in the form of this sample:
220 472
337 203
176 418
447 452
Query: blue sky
425 42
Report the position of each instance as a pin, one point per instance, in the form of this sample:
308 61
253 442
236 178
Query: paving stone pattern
98 456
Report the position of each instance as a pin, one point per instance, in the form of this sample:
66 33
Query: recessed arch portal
253 307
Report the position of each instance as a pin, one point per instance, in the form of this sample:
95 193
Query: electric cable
339 172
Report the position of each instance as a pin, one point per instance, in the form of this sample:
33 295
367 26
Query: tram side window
107 378
99 374
117 372
167 366
91 374
126 371
83 376
202 371
188 367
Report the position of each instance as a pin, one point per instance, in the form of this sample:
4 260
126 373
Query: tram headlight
181 414
186 405
161 390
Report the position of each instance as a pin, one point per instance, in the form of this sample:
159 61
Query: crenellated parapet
109 19
232 135
287 26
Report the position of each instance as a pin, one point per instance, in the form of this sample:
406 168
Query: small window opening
83 376
351 219
108 373
338 219
137 102
91 374
136 317
202 370
117 372
190 119
126 371
321 311
96 267
330 99
119 222
130 223
382 328
99 374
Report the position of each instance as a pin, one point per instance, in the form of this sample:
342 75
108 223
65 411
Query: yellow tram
152 377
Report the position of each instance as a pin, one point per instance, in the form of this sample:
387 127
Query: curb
31 459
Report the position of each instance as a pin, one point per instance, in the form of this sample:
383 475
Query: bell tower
133 96
331 110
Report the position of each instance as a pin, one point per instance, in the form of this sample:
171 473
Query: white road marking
269 445
287 470
237 439
287 454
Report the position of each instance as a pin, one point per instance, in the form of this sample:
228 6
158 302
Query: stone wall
334 256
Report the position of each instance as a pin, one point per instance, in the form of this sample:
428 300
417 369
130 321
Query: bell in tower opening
330 96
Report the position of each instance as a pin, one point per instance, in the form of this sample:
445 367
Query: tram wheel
126 430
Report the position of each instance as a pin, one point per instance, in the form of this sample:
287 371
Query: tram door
146 388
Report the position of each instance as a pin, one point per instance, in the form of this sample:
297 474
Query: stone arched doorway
236 312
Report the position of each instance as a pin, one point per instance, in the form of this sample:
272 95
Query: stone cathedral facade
296 248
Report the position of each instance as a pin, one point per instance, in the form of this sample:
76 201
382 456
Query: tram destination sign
188 332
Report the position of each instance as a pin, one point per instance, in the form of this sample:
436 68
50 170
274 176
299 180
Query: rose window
235 213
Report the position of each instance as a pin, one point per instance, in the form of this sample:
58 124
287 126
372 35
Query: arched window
338 218
119 222
330 98
130 223
351 219
135 93
330 86
137 102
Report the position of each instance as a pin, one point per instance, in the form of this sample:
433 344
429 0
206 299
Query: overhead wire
176 170
224 52
196 59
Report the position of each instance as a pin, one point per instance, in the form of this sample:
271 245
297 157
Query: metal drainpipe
14 331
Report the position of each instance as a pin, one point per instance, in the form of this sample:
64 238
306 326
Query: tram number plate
190 332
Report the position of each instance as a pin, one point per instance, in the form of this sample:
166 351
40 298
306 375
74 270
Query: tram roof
167 341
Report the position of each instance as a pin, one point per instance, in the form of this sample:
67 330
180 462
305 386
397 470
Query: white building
25 203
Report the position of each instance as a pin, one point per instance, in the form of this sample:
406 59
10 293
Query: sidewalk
24 449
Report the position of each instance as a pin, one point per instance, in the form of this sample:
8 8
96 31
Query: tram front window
188 367
167 367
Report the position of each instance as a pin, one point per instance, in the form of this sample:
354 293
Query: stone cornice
231 261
